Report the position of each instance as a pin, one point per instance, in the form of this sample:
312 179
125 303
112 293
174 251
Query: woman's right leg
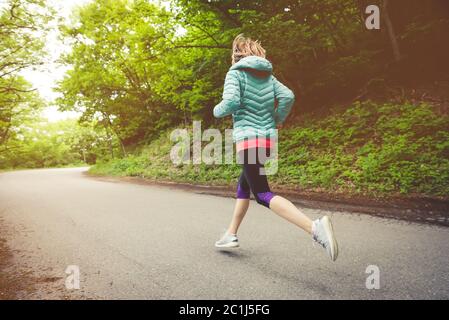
287 210
320 229
284 208
253 179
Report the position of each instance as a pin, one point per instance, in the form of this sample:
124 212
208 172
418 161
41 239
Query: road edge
427 211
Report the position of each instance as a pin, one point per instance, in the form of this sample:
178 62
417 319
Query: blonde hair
244 47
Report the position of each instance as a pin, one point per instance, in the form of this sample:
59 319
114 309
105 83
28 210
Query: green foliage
40 144
20 48
369 149
136 69
116 45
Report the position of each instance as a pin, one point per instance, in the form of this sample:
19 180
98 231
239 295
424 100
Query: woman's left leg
229 239
240 209
241 205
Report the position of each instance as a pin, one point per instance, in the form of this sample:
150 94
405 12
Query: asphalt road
135 241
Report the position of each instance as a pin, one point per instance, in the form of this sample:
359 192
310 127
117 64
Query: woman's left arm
231 96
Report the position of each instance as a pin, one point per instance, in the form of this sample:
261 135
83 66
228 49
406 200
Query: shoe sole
329 229
227 245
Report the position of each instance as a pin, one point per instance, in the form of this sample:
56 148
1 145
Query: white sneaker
323 234
227 241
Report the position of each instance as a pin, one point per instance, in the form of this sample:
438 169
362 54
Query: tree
391 33
115 44
23 25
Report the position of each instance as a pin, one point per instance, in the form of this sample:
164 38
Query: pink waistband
254 143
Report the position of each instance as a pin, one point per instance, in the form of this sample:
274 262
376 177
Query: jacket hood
255 63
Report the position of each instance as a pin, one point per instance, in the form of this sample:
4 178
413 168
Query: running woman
250 95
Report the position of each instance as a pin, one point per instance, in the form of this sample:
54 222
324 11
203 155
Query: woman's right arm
285 98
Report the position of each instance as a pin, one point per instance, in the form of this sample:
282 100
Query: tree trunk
122 145
390 30
111 147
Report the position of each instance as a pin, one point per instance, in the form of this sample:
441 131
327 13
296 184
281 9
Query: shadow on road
232 253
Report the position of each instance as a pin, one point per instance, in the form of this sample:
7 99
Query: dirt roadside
411 209
23 276
13 280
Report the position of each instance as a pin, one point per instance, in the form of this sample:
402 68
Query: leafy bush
374 149
371 149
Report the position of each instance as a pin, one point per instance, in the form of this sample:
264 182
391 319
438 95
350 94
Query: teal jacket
249 95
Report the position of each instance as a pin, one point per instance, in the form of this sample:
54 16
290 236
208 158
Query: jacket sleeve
285 98
231 96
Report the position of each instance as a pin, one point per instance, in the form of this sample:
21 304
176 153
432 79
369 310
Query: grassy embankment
370 149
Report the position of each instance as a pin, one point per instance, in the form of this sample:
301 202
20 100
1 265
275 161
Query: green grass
370 149
71 165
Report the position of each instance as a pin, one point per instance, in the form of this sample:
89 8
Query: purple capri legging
251 179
